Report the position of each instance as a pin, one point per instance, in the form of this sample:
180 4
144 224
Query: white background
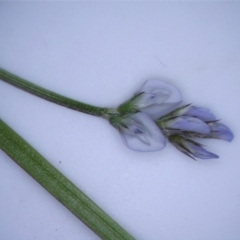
101 53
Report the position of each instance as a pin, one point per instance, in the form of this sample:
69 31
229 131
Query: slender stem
49 95
59 186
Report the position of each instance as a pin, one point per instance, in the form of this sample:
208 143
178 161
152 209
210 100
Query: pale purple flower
198 112
189 124
152 114
221 131
140 133
191 148
156 98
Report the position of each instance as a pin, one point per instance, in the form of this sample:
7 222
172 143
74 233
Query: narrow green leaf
59 186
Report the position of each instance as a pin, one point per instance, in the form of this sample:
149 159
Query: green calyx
129 106
175 139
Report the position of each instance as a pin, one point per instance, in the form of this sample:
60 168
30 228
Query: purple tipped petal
221 131
140 133
201 113
199 152
191 148
190 124
157 99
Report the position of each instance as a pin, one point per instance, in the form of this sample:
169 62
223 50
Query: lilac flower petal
157 99
148 99
199 152
221 131
198 112
189 124
191 148
158 111
141 133
159 87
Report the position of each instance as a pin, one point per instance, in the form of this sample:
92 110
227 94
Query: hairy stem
49 95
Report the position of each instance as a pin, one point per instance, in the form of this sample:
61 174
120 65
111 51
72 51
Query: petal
161 97
142 134
158 111
160 87
199 152
190 124
221 131
148 99
201 113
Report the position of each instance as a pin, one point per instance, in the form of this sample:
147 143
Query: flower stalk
51 96
59 186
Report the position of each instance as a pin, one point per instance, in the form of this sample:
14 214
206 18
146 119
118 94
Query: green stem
49 95
59 186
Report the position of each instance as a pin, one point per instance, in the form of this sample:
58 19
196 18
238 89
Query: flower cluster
135 119
188 122
153 115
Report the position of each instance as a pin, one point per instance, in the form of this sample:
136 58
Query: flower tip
214 155
229 137
207 155
221 131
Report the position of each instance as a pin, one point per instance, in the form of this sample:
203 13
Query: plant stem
49 95
59 186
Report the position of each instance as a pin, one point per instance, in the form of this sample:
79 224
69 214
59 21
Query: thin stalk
49 95
59 186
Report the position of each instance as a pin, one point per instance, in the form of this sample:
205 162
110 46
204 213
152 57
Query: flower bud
189 124
191 148
198 112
